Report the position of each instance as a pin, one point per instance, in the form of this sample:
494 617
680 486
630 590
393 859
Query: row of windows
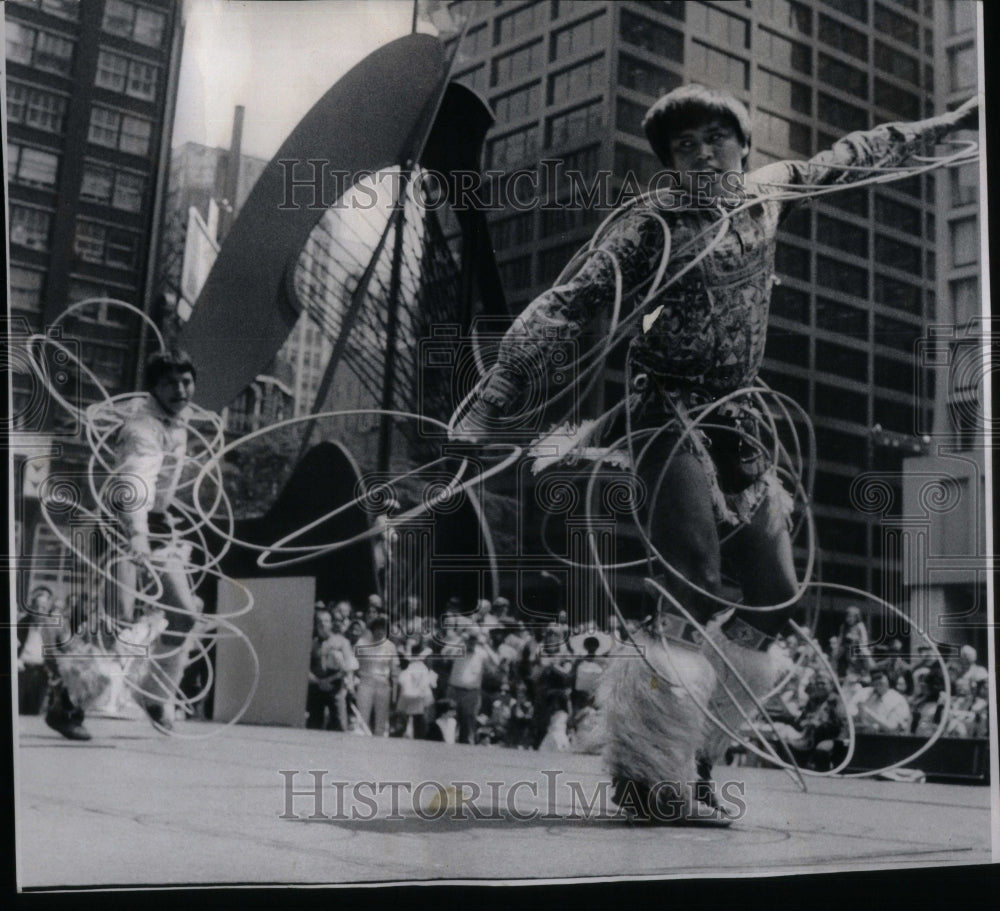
902 28
580 123
578 37
513 149
138 23
784 93
652 36
578 80
779 133
721 25
517 63
103 245
518 104
111 186
519 22
115 130
38 48
26 289
134 78
646 77
30 227
64 9
509 232
36 107
32 167
712 65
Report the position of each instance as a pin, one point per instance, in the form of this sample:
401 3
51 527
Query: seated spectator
895 666
520 730
884 711
494 720
445 726
587 671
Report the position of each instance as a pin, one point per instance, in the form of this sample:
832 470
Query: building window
675 8
902 28
520 22
964 242
514 148
844 77
646 77
652 36
34 167
895 62
965 184
898 254
853 200
833 402
26 289
132 77
475 78
966 302
719 68
856 9
897 215
629 117
962 68
64 9
515 105
781 134
579 80
898 102
517 63
781 51
96 184
843 37
848 363
578 37
841 114
790 303
98 244
791 261
127 20
894 333
784 93
898 294
30 227
35 108
35 47
843 235
129 191
723 27
119 131
961 17
893 374
551 262
839 276
581 123
787 14
841 318
787 346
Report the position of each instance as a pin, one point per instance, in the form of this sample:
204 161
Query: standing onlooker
416 694
854 652
378 668
466 680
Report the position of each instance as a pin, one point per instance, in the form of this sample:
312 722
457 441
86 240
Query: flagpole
413 29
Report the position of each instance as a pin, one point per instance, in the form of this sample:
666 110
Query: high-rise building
946 557
90 94
90 91
570 80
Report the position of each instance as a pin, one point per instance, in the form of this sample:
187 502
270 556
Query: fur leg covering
653 727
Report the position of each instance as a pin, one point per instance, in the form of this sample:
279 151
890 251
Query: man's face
881 685
174 391
704 153
324 624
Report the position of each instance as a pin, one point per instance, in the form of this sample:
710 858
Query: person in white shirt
885 710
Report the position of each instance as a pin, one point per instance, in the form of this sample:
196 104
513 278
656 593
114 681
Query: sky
275 58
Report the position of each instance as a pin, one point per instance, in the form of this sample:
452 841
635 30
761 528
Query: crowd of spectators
883 689
484 675
472 675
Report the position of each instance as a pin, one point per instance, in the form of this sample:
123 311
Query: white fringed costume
654 725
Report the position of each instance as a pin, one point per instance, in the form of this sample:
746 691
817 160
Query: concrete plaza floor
133 807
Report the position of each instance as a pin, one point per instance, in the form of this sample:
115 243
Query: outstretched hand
967 116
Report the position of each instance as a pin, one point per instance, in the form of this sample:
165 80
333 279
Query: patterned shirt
706 326
149 455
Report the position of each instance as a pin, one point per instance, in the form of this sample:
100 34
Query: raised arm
861 154
542 336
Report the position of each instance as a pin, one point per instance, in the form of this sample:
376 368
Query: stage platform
133 807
